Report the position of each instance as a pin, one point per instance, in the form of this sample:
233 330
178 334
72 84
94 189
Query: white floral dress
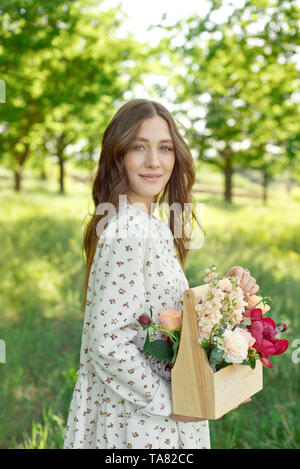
122 398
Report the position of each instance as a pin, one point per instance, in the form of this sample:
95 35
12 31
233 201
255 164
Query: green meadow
42 273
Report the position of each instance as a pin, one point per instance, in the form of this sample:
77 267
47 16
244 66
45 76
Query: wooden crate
198 391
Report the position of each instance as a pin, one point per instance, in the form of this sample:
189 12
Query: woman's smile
150 178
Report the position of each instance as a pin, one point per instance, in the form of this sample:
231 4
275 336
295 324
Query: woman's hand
247 283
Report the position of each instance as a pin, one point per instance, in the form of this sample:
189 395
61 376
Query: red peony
264 332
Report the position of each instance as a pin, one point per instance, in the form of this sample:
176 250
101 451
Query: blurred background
229 73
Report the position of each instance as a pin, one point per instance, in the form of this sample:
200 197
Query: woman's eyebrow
146 140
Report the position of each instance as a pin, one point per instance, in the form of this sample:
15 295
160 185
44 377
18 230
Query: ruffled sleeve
118 299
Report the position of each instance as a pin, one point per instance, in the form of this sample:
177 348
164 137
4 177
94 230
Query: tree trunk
21 159
18 179
265 188
43 175
228 177
61 144
61 163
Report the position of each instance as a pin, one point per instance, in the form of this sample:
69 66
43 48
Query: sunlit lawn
42 275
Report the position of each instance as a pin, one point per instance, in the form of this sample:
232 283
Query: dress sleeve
119 299
160 367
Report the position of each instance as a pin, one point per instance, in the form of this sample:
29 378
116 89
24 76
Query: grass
42 275
264 239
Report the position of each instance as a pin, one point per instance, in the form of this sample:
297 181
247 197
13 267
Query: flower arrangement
233 330
170 322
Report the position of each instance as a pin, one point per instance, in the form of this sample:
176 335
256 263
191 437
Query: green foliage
41 268
147 342
215 357
160 349
65 70
48 435
265 240
238 77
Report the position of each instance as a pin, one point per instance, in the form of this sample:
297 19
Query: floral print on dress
122 398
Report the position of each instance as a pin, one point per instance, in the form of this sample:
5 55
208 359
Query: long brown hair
111 179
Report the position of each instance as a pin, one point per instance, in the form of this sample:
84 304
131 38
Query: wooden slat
192 384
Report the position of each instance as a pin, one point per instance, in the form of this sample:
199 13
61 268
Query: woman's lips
151 179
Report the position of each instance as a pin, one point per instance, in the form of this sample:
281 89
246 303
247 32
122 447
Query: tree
25 31
236 77
60 77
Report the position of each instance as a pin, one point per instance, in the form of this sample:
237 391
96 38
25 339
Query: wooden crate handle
192 376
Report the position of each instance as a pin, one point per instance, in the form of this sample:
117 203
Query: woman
122 398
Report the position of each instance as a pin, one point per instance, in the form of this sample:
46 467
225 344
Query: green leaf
160 349
222 364
252 361
146 344
221 329
245 362
246 322
216 356
243 325
175 348
205 344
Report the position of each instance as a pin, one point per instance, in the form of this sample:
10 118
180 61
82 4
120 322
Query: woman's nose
152 157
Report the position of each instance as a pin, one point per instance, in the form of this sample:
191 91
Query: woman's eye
141 146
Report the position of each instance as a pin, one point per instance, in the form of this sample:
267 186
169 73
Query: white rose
235 346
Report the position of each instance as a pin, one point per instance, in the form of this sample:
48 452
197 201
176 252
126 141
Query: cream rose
170 320
253 299
235 346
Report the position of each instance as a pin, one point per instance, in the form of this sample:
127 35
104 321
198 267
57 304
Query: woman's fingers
247 400
247 282
253 290
236 270
243 402
245 279
251 287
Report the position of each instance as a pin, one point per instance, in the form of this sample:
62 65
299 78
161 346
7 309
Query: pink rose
250 339
170 320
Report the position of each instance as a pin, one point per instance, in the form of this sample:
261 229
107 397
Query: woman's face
151 153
